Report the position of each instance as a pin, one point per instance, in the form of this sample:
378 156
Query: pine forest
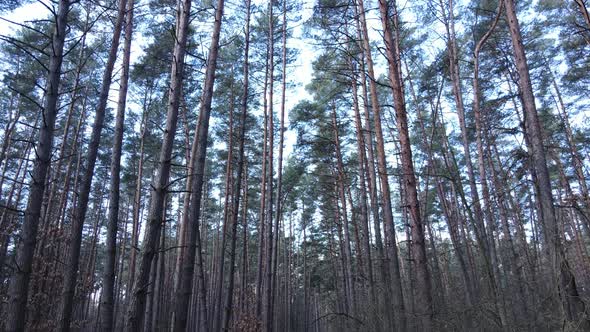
295 165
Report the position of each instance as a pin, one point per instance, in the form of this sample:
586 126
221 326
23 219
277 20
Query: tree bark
423 288
137 207
19 284
238 181
193 233
86 183
108 283
364 214
561 275
396 282
347 259
267 313
136 310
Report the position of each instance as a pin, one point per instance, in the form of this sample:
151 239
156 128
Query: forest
294 165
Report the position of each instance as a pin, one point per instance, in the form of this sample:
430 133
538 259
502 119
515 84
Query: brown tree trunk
19 283
278 216
7 224
347 259
262 215
137 207
485 237
108 283
575 155
391 243
423 288
479 133
120 268
244 304
364 214
193 233
159 282
267 312
136 310
72 260
184 217
217 304
561 275
238 182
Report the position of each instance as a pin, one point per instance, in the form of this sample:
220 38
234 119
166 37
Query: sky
301 69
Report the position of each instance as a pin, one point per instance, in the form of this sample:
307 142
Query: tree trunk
184 218
84 191
107 296
278 210
396 282
267 313
347 259
217 304
193 233
575 155
136 310
137 207
561 275
423 287
19 283
364 214
238 181
262 215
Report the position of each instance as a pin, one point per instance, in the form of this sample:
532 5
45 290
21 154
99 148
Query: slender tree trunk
137 206
561 275
575 155
364 214
10 126
19 283
184 218
120 268
512 256
244 304
84 191
217 304
398 296
347 259
136 310
238 181
7 224
479 133
149 310
62 150
423 287
107 296
193 233
457 92
73 166
159 282
278 210
262 218
305 289
88 271
437 271
267 313
485 237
